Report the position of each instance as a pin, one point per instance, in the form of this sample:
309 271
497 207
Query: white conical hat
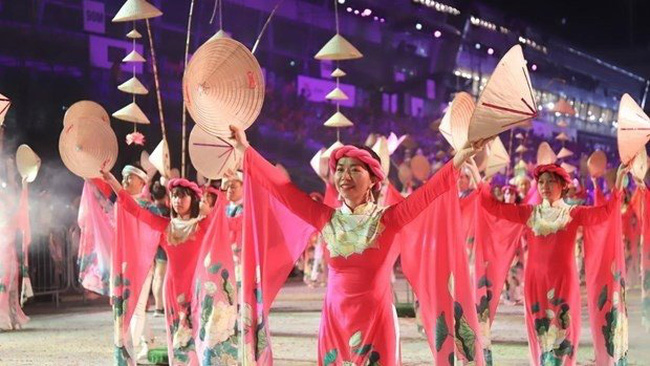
338 73
220 34
134 34
133 86
562 106
5 103
213 156
338 48
132 113
371 139
497 158
85 109
507 100
455 122
562 137
633 129
136 10
338 120
568 167
223 85
394 142
420 167
564 153
28 163
134 56
328 152
639 166
404 173
336 94
597 164
160 158
149 168
545 154
521 149
519 136
381 148
87 146
319 164
480 159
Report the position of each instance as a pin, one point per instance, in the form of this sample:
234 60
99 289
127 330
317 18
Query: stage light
366 12
356 12
376 17
490 51
349 9
418 26
534 67
437 34
382 20
477 46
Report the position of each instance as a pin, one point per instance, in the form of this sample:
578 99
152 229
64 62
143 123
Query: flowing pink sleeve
405 211
587 216
156 222
25 227
515 213
599 197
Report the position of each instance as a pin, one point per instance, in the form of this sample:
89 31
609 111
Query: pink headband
182 182
350 151
211 189
552 168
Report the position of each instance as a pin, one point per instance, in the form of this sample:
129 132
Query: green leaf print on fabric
214 269
362 351
442 331
484 282
465 336
602 298
534 308
330 357
355 340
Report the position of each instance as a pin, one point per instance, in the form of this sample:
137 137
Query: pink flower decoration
135 138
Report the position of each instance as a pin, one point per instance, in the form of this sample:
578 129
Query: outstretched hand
109 178
240 136
470 149
620 175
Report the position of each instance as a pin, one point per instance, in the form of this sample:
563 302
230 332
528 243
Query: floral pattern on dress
354 232
551 327
547 218
365 355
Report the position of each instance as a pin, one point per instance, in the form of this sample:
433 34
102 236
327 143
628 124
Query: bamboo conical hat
394 142
336 94
88 145
545 154
133 86
220 34
639 166
134 56
161 158
633 129
213 156
562 123
521 149
455 123
5 103
338 48
334 146
27 162
481 159
597 164
507 100
568 167
338 120
338 73
85 109
134 34
132 113
519 136
136 10
223 85
149 168
497 158
381 148
420 167
370 140
319 164
562 137
404 173
564 153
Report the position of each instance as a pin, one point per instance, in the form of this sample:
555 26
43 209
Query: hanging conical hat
420 167
338 48
5 103
507 100
562 123
381 148
639 166
132 113
568 167
338 120
319 164
220 34
497 158
564 153
519 136
404 173
633 129
336 94
133 86
134 56
562 137
223 85
84 109
521 149
371 139
134 34
545 154
328 152
394 142
88 145
597 164
160 158
149 168
338 73
562 106
136 10
211 155
455 122
28 163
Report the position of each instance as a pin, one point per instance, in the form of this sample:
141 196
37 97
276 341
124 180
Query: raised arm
586 215
515 213
126 202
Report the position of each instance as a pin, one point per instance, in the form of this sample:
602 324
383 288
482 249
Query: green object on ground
158 356
405 310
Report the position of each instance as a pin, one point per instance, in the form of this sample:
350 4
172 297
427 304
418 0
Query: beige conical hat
149 168
381 148
497 158
394 142
404 173
133 86
338 73
336 94
633 129
319 164
134 56
639 166
519 136
136 10
223 85
5 103
85 109
371 139
480 159
338 120
562 137
420 167
200 179
507 100
545 154
457 119
521 149
160 158
597 164
338 48
28 163
328 152
562 123
88 145
132 113
220 34
213 156
564 153
568 167
562 106
134 34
